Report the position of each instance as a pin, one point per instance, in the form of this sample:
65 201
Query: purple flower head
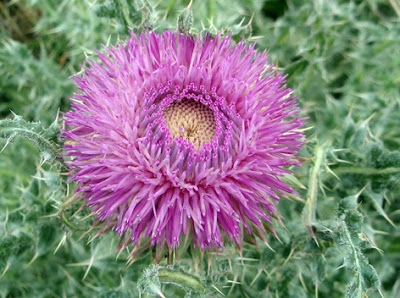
172 135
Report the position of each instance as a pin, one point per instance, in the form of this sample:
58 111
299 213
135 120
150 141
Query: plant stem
365 171
309 209
181 279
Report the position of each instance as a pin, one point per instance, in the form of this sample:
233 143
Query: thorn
233 285
108 41
88 269
241 255
302 281
380 292
5 270
230 264
289 256
277 237
256 277
361 191
251 20
61 243
160 294
86 217
332 172
33 259
7 142
218 290
120 250
266 243
339 267
58 114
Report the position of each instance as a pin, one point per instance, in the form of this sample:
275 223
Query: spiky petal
172 134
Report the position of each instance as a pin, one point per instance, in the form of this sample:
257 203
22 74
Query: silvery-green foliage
45 139
340 236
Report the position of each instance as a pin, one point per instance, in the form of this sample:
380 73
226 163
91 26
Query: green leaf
105 10
377 200
317 266
149 282
350 239
43 138
133 15
185 19
11 248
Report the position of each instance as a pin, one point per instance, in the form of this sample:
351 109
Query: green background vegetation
341 237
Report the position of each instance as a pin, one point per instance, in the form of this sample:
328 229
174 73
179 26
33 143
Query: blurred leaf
43 138
185 20
349 237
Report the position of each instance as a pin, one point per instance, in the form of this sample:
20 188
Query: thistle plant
199 148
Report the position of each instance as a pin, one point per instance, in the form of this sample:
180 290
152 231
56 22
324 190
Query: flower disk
173 135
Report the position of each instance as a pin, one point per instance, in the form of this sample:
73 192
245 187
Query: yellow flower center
190 120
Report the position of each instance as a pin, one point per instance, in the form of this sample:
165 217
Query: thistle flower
173 135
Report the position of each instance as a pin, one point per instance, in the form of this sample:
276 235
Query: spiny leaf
149 282
133 15
377 200
43 138
11 247
185 19
348 236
